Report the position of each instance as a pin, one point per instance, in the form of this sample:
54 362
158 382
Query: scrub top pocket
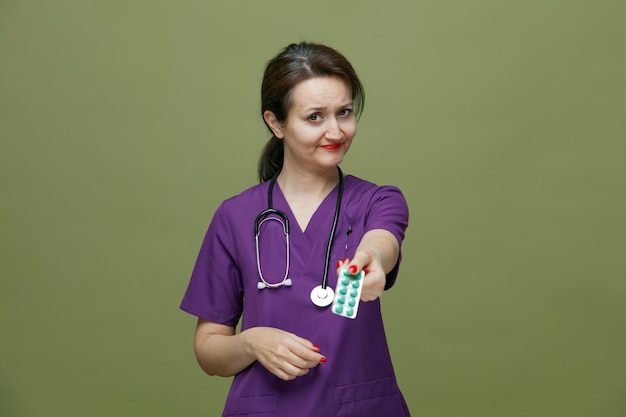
264 406
380 397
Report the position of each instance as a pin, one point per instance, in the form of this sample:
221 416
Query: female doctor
272 253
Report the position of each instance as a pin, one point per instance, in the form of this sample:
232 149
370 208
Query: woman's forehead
321 92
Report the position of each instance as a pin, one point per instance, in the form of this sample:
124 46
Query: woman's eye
345 112
315 117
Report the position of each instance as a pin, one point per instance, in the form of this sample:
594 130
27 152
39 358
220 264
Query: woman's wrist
247 343
244 338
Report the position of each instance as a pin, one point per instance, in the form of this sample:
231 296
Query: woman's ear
273 123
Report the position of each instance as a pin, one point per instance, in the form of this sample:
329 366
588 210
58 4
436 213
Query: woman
293 355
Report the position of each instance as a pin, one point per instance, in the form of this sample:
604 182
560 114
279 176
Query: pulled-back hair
294 64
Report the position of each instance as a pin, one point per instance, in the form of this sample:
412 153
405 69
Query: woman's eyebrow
321 108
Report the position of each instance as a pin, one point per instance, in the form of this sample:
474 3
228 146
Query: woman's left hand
375 277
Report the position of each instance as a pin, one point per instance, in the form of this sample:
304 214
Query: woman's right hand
282 353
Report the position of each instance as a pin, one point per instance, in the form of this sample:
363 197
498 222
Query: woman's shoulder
239 209
250 192
361 186
373 197
249 198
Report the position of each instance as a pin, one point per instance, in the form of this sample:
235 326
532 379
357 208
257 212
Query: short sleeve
215 291
388 210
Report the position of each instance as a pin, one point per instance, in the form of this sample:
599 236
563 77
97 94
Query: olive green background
124 124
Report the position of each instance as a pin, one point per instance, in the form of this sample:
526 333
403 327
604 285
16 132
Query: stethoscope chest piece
322 297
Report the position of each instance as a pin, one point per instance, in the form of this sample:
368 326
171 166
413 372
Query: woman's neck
305 192
296 182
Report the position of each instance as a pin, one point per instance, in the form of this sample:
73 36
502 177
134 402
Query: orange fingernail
323 359
352 269
338 264
316 348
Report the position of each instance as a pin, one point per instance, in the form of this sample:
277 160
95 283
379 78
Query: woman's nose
333 131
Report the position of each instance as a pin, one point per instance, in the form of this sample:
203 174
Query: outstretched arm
377 254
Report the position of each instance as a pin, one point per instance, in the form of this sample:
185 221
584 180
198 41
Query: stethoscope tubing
285 224
333 229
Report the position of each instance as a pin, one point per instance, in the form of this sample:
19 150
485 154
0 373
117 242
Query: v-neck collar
320 222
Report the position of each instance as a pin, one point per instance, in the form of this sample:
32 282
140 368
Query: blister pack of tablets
347 293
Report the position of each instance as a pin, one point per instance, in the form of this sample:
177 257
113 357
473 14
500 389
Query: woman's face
320 124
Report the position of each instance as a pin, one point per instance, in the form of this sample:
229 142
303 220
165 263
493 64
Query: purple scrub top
358 378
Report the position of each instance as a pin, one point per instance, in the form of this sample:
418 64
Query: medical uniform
358 378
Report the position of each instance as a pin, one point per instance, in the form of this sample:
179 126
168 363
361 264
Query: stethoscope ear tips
288 282
260 285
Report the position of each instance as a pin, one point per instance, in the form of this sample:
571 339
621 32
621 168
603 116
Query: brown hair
294 64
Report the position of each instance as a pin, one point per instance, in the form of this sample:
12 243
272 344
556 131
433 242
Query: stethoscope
322 295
